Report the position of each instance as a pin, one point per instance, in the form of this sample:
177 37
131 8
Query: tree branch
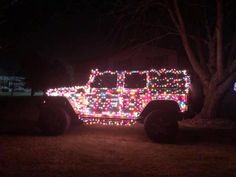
231 70
178 21
232 49
219 39
173 18
212 50
228 82
156 38
211 44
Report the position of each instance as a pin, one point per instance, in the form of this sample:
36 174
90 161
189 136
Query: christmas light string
120 105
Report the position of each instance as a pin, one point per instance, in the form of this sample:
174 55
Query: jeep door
135 93
102 101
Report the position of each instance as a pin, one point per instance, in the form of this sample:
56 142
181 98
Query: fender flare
167 105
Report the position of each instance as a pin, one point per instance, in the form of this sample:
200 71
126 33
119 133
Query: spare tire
53 120
161 126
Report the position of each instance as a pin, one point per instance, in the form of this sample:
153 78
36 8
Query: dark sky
54 29
78 30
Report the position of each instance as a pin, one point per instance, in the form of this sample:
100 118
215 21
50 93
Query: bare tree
218 76
212 57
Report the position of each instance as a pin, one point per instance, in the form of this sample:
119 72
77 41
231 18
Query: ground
102 151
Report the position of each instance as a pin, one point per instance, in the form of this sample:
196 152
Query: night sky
65 29
72 33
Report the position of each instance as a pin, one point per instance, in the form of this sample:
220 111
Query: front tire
54 121
161 126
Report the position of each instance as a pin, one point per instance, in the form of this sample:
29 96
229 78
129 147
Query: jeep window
105 81
135 80
163 80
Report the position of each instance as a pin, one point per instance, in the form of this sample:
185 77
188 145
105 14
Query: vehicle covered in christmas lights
157 98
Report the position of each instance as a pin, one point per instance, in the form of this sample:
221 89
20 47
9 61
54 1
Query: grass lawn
103 151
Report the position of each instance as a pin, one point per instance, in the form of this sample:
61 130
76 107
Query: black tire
161 126
53 121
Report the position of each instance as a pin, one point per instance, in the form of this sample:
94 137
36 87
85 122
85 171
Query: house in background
143 57
12 83
139 57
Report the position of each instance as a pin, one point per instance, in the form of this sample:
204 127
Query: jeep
157 98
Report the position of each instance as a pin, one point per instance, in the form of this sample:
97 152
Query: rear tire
53 121
161 126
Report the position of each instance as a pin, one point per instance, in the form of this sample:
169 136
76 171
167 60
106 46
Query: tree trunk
213 94
210 105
